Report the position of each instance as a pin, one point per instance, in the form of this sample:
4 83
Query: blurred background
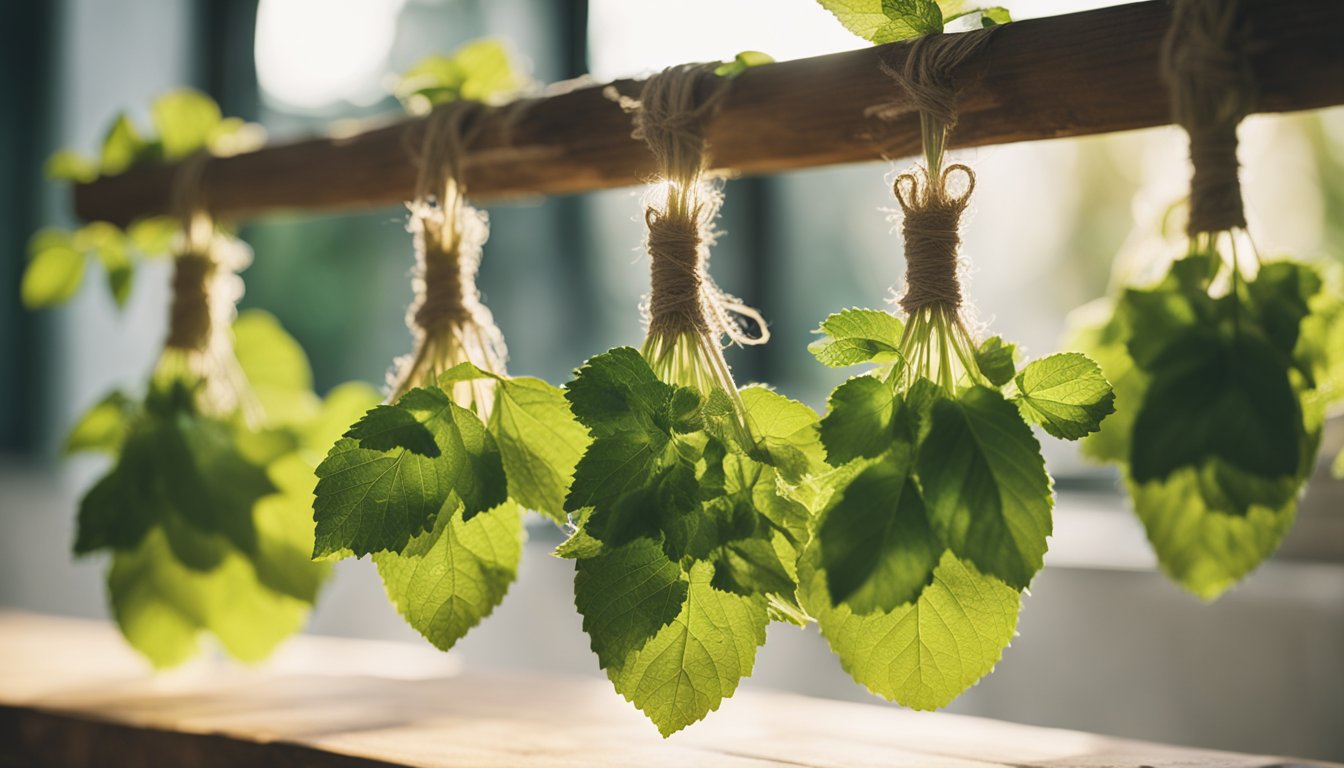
1106 643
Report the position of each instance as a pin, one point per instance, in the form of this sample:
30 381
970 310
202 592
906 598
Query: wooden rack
1071 75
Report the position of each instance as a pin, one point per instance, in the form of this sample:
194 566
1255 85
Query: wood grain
1071 75
73 695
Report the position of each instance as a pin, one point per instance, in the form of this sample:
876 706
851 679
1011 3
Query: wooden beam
1071 75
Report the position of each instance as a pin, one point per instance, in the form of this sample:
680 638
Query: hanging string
1206 66
447 318
189 316
671 116
932 212
927 75
931 231
449 233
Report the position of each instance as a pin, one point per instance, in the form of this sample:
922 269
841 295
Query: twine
671 116
1206 66
447 318
190 325
927 76
932 218
449 233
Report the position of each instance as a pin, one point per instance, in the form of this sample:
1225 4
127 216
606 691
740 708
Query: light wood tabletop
72 694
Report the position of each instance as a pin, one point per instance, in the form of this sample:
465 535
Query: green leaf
995 14
626 595
994 358
103 427
689 666
185 120
449 579
877 548
540 443
343 405
68 165
1066 394
162 606
1204 548
481 70
742 62
886 21
614 466
985 485
860 422
276 368
989 17
925 654
54 270
1225 398
153 236
370 500
284 523
387 428
785 432
617 390
855 336
181 470
122 146
108 245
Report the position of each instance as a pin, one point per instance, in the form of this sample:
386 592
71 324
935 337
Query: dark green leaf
994 358
1217 397
985 485
877 548
625 596
860 422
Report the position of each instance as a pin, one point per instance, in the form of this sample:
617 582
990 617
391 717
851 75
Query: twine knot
930 227
671 116
1205 63
189 323
927 75
449 233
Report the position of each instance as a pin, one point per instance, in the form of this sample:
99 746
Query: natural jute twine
1205 63
189 316
931 230
932 213
671 116
449 233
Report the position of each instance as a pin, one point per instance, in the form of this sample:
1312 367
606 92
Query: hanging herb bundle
205 507
433 483
1223 368
938 512
185 122
685 541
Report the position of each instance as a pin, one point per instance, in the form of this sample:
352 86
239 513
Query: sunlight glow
313 53
633 37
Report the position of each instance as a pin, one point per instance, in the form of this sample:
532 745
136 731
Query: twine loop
932 237
1206 65
671 116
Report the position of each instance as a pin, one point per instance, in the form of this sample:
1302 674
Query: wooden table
72 695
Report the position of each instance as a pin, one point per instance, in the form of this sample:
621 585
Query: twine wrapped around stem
1205 63
448 320
671 115
930 228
